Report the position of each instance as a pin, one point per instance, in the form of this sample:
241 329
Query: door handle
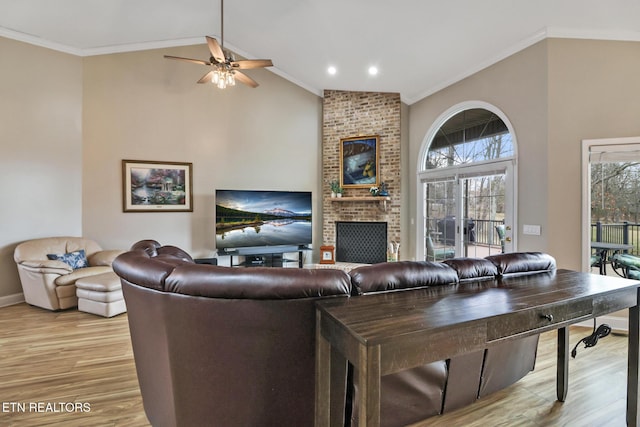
507 239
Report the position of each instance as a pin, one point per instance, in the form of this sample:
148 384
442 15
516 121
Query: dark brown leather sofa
415 394
227 346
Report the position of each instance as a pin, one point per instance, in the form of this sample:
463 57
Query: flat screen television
257 221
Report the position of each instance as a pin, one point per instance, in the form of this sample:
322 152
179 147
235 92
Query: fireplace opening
361 242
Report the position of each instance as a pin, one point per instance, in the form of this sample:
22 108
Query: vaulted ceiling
418 46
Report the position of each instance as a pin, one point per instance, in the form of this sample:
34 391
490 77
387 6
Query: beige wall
66 123
41 145
555 94
141 106
594 92
518 87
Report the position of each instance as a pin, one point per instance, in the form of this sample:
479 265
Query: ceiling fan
224 68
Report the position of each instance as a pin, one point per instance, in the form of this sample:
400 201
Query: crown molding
548 32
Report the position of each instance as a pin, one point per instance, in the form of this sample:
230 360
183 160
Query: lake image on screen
262 218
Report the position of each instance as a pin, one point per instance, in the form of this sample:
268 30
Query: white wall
41 145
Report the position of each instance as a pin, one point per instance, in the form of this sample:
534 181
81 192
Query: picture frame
359 162
155 186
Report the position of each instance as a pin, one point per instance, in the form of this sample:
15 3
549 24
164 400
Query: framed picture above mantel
359 162
150 186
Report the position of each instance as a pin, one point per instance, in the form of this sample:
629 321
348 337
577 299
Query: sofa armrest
70 279
104 257
46 266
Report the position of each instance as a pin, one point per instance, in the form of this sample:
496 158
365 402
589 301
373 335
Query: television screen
250 218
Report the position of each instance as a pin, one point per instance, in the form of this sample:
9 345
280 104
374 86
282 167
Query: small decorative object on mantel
336 190
327 255
380 190
383 190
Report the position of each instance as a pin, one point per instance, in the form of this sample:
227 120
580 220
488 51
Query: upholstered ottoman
100 294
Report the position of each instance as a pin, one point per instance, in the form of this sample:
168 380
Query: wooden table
603 249
385 333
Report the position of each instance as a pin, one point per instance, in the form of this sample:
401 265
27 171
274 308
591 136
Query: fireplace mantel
382 200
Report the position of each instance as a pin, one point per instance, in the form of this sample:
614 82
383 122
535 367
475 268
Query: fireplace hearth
361 242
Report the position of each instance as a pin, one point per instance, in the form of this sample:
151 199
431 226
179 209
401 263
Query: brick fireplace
350 114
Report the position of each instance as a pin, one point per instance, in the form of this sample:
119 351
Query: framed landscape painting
359 162
149 186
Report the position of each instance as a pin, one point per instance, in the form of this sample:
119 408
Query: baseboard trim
618 324
11 299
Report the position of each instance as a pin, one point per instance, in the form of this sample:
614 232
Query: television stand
266 257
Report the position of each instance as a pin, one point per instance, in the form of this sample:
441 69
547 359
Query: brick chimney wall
352 114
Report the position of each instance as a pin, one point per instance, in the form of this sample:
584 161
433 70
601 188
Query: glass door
467 215
439 220
483 221
613 213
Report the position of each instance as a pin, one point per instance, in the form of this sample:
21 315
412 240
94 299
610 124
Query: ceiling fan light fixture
222 77
231 80
225 69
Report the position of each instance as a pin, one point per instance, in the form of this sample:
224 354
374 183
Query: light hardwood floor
69 356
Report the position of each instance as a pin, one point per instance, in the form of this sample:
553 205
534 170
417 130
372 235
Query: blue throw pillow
77 259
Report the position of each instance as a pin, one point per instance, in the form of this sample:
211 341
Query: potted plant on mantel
336 190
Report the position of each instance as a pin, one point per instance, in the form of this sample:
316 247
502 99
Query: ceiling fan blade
206 78
195 61
243 78
216 50
252 63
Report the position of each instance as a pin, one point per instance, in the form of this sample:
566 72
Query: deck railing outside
484 231
625 232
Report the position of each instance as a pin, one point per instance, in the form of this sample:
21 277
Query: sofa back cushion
256 283
392 276
473 268
522 262
38 249
170 269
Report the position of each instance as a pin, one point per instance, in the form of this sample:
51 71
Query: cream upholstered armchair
49 268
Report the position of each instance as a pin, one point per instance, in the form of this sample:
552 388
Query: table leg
323 377
633 391
562 376
369 381
337 387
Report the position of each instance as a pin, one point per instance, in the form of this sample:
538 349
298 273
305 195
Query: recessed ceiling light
332 70
373 70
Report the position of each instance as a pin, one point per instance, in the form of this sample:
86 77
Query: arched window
467 179
471 136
